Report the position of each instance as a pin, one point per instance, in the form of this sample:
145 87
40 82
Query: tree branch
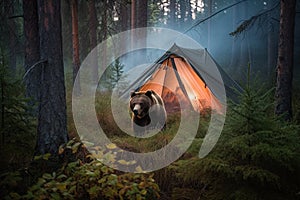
33 66
15 16
249 22
203 20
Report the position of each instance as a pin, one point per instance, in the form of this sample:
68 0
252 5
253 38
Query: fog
256 46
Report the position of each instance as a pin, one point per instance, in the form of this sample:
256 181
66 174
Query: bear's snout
135 112
136 109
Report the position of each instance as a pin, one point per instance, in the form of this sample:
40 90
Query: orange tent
185 78
175 81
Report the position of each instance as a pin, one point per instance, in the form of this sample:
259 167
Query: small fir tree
16 120
113 77
257 156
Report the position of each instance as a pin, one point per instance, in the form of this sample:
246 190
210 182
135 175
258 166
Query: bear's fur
148 111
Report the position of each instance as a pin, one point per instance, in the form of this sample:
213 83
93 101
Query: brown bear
148 112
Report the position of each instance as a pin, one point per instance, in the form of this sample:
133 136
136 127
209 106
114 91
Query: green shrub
17 125
87 178
257 156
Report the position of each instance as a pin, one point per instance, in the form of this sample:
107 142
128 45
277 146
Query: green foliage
117 71
154 13
244 26
257 156
8 182
16 122
112 77
87 178
105 116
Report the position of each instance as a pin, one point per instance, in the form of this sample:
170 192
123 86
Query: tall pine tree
52 119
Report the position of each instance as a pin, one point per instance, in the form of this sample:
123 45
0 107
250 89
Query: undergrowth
81 176
257 156
17 124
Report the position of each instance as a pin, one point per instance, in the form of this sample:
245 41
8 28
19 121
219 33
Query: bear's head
141 102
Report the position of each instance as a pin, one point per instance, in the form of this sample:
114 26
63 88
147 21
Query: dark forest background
43 43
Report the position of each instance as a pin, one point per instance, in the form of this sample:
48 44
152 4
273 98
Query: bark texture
93 38
103 33
52 124
32 50
13 40
285 63
133 14
75 44
124 15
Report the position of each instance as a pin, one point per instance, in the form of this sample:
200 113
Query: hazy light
197 6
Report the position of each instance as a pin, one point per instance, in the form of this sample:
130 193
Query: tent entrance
176 81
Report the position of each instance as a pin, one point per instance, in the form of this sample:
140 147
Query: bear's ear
132 94
149 93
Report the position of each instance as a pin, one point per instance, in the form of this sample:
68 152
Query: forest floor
256 152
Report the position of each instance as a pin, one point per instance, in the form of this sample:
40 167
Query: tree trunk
245 53
133 14
142 21
271 50
75 44
140 35
66 16
32 51
124 22
12 39
133 21
52 123
83 19
271 55
93 38
283 96
233 66
124 15
172 21
104 32
183 8
189 12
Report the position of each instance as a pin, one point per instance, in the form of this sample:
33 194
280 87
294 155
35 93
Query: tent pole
164 83
180 82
